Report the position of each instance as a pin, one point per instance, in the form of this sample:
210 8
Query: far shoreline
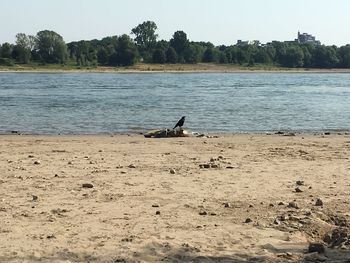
166 68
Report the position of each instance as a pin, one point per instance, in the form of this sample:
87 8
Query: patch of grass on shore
143 67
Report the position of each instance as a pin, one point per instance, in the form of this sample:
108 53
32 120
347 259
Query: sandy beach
126 198
169 68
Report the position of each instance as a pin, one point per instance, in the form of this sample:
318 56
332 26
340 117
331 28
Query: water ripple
219 102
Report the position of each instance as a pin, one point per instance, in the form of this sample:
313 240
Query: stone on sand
87 185
318 202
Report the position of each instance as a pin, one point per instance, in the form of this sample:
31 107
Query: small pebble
37 162
319 202
203 213
226 205
316 247
293 205
299 182
284 217
172 171
276 222
248 220
132 166
155 205
298 190
87 185
157 212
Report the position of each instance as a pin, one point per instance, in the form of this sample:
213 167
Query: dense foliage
49 47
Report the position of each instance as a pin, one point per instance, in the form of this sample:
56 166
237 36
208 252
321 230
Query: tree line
48 47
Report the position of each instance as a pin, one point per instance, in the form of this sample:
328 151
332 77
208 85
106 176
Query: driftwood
167 133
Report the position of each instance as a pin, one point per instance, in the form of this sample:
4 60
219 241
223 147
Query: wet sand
235 198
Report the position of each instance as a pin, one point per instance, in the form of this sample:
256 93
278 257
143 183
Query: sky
216 21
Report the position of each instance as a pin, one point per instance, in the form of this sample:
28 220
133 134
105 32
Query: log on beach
167 133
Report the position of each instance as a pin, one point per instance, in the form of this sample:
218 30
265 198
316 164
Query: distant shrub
6 62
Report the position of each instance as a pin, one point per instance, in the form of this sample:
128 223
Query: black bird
181 122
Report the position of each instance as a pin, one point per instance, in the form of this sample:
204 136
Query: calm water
212 102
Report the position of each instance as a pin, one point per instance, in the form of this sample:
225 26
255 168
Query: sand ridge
152 200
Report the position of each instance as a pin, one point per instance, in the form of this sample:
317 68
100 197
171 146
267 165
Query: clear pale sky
217 21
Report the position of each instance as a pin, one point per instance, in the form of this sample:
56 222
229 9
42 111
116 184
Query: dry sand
178 68
151 201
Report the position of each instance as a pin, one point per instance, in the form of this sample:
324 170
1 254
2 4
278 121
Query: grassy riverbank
141 67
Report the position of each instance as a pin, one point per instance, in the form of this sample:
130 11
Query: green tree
223 59
293 57
86 55
145 34
261 56
145 38
193 53
228 55
125 53
324 56
6 50
279 50
242 55
271 52
179 42
211 55
159 56
344 56
171 55
51 47
22 49
307 55
106 47
232 54
162 44
103 56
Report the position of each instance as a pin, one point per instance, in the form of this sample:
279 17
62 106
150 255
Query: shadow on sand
187 254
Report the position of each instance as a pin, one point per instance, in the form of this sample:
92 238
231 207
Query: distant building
255 43
242 43
305 38
245 43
